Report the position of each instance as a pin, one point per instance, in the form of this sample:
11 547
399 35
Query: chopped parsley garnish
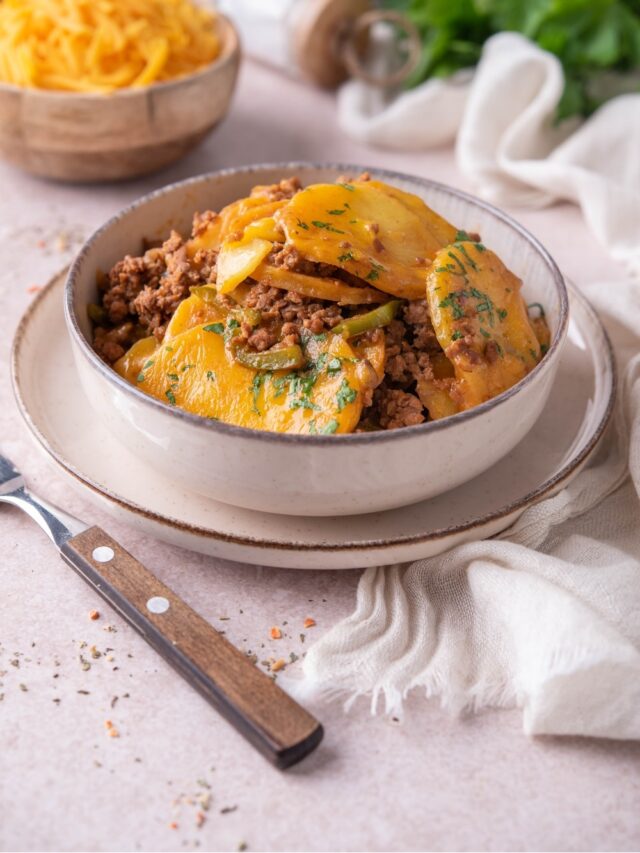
453 301
302 224
147 364
322 336
320 361
461 236
169 349
335 212
544 348
173 376
258 381
442 269
345 256
302 385
280 384
218 328
312 427
303 403
330 428
187 367
457 335
170 396
349 187
327 226
534 354
502 313
211 376
334 366
375 271
499 348
346 394
484 333
472 263
232 325
140 377
459 262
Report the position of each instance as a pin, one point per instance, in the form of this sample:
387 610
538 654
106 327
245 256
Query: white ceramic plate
63 424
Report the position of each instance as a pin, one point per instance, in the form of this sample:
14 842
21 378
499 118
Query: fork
261 711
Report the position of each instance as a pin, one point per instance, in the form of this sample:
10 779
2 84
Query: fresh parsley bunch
597 41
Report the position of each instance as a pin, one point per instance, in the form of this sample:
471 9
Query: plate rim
519 505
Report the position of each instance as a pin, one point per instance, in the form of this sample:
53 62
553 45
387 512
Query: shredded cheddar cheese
103 45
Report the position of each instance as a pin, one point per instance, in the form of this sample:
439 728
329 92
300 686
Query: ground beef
281 191
145 291
201 222
288 257
289 312
397 408
111 344
156 303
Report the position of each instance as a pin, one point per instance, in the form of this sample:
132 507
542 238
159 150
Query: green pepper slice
286 358
381 316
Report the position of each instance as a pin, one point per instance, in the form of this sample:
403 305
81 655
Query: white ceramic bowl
308 474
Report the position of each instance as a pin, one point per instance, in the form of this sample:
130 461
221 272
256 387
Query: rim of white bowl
230 47
218 426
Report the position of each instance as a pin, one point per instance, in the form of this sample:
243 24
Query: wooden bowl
77 137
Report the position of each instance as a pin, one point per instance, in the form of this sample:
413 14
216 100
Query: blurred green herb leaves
597 41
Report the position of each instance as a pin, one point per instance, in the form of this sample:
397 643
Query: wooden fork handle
251 701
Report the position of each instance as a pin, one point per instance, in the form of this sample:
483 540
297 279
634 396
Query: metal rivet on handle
157 604
103 554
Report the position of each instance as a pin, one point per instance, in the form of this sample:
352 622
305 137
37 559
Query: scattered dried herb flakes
24 688
228 809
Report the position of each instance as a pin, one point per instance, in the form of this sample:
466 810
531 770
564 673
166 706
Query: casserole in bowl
311 474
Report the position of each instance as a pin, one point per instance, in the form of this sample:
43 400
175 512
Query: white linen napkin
507 144
547 615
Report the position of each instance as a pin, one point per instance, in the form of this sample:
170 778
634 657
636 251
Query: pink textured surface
431 782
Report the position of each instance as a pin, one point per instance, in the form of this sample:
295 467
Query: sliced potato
371 348
233 220
481 322
197 372
237 260
194 311
329 289
136 357
366 229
